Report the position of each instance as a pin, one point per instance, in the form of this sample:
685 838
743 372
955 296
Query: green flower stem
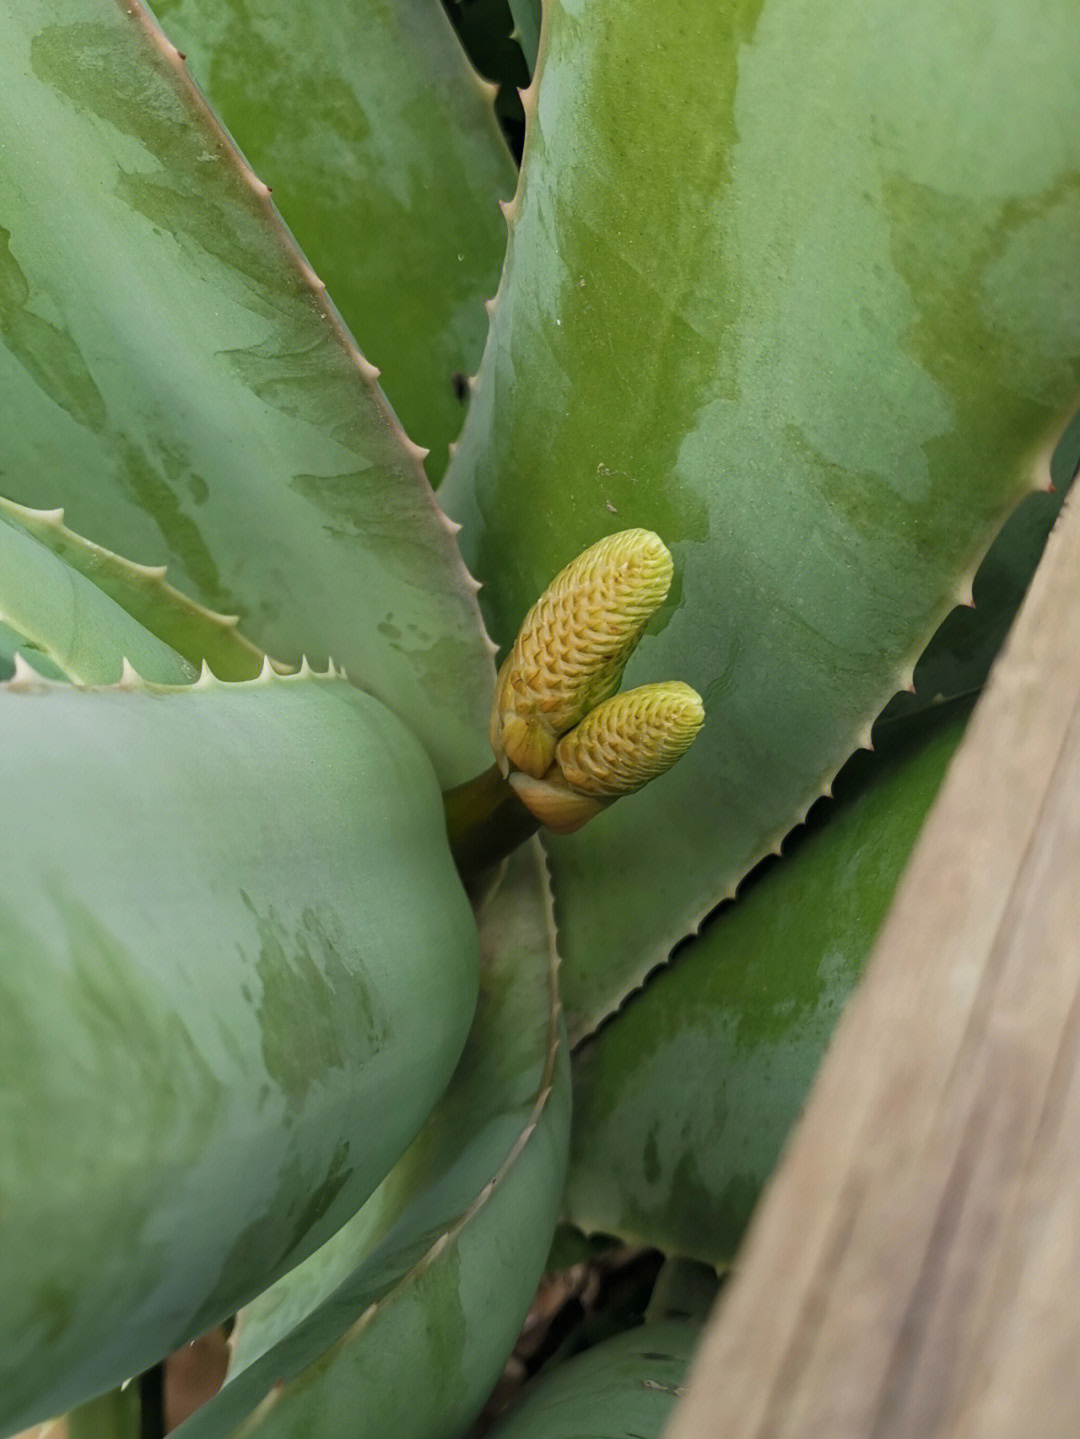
485 821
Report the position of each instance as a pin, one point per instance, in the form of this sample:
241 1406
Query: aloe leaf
625 1386
526 15
16 650
158 323
818 326
142 591
230 927
55 613
402 1322
958 658
683 1101
385 159
486 30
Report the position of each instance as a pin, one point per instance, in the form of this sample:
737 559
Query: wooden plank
914 1268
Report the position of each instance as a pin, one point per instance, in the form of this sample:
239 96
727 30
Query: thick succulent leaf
958 658
181 626
385 159
402 1322
682 1101
58 614
157 323
486 30
526 15
230 928
817 324
16 648
624 1387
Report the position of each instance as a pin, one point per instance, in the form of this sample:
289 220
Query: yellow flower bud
572 649
630 739
617 748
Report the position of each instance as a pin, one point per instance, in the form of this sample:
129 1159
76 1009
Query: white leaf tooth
304 671
24 675
415 451
369 371
266 673
206 678
130 679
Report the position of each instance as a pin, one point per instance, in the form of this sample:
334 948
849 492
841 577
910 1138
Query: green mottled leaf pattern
60 622
682 1104
230 927
385 159
172 374
143 592
627 1386
402 1322
819 330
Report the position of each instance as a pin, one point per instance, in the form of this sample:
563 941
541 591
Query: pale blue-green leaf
401 1324
624 1388
192 630
684 1099
64 617
173 375
526 15
230 930
385 160
797 285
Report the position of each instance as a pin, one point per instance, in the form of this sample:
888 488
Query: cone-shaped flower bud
572 649
630 739
621 745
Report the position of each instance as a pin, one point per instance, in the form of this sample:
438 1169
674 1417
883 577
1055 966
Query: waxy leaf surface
402 1322
386 161
230 928
795 285
625 1388
62 623
173 375
681 1105
142 593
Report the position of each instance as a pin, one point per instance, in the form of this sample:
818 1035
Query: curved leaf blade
143 593
176 341
230 926
818 328
386 160
52 611
683 1101
526 15
625 1386
402 1322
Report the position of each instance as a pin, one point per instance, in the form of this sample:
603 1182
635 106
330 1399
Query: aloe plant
775 343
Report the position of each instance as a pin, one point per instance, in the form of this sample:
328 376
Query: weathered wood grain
914 1269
